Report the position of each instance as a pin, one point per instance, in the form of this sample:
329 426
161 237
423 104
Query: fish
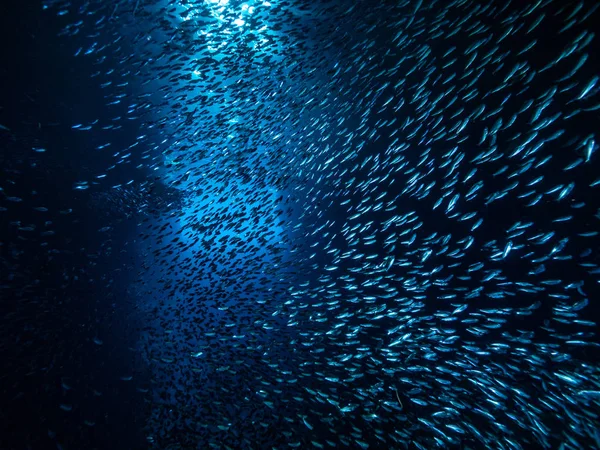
310 225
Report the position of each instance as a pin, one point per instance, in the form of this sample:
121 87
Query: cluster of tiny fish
389 231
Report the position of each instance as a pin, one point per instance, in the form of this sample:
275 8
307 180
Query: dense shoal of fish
388 221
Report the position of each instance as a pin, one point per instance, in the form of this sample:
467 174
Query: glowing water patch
231 20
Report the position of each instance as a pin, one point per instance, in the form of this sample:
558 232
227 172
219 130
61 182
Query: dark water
299 225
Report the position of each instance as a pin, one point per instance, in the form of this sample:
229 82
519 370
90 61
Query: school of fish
385 226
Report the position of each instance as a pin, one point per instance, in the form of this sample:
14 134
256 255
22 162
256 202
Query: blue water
282 224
